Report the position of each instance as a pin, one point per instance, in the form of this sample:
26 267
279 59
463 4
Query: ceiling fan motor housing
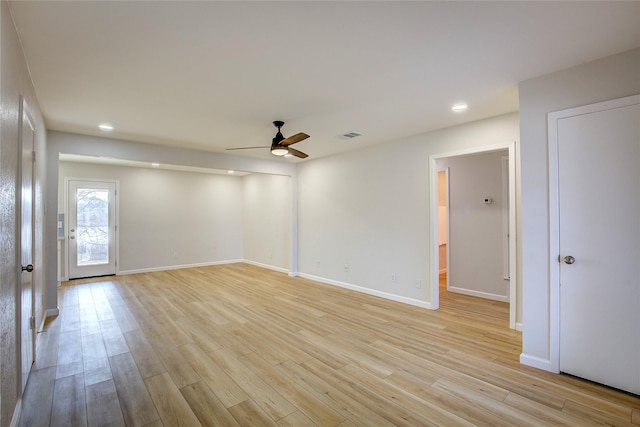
279 137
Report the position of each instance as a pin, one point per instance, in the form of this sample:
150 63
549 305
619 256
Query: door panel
92 227
599 207
27 303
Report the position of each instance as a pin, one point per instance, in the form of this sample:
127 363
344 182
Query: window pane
93 226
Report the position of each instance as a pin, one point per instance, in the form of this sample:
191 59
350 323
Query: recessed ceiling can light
107 127
230 172
460 107
155 165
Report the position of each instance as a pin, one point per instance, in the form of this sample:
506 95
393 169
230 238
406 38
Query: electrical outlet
346 268
418 284
394 278
318 265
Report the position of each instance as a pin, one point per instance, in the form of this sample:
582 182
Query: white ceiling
214 75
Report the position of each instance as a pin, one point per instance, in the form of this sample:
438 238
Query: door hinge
32 322
33 156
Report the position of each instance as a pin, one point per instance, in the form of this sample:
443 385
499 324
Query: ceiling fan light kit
279 151
280 144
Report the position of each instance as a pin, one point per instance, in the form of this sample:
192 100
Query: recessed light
460 107
155 165
231 172
107 127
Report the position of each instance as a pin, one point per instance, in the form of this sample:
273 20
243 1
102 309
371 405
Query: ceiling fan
280 146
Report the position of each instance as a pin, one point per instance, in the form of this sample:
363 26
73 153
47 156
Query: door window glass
93 226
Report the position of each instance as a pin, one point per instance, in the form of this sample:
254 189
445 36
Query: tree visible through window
93 226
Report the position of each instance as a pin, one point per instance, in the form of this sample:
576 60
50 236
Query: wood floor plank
69 404
222 385
414 407
170 403
296 419
248 413
103 407
319 412
329 395
595 415
174 362
148 362
39 391
114 341
137 406
96 371
93 346
48 343
510 415
272 402
207 407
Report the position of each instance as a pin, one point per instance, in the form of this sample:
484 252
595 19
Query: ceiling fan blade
294 138
247 148
297 153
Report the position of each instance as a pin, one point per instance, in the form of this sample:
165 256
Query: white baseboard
267 266
385 295
178 267
537 362
486 295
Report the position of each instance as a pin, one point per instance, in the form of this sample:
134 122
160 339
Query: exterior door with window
91 233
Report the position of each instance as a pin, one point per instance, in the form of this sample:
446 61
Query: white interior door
27 332
599 245
91 233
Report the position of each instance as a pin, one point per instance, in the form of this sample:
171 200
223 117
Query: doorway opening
473 244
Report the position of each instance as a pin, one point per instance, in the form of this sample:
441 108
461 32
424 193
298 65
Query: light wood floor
239 345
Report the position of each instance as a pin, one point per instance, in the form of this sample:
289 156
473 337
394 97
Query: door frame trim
510 146
116 234
554 214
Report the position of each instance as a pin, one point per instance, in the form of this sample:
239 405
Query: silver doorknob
28 268
569 259
72 237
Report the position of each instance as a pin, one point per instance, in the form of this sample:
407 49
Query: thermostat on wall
487 200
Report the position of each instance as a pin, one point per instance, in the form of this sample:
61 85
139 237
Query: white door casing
91 233
594 210
510 146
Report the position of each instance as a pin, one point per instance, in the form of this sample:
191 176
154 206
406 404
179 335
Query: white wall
15 81
476 229
364 215
169 219
267 220
608 78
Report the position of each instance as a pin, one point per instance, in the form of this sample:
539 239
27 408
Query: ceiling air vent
351 135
